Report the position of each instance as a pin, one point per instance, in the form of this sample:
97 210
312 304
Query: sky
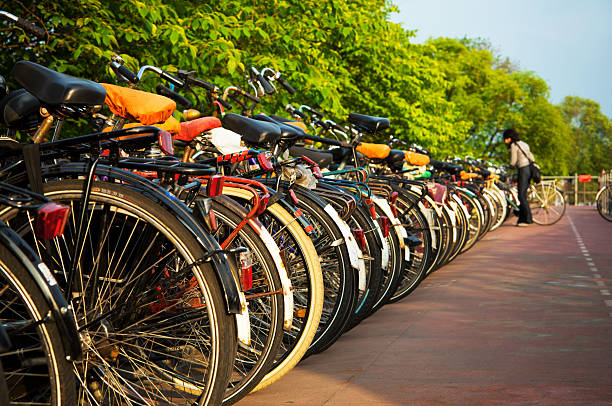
568 43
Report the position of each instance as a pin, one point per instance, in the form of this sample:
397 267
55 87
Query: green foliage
591 133
451 96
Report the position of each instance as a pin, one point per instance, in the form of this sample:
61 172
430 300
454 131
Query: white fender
282 273
400 231
243 324
355 254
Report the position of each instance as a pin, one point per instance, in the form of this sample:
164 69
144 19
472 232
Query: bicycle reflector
392 200
293 197
51 220
360 237
384 225
263 203
246 270
214 187
264 162
370 204
165 142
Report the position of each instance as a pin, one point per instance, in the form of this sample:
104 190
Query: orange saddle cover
136 105
375 151
190 129
414 158
467 175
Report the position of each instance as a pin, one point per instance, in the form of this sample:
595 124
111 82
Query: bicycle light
264 162
165 142
51 220
214 186
246 270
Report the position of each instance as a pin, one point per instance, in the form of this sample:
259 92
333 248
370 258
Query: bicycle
604 201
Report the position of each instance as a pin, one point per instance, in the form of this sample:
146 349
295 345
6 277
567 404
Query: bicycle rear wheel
149 308
546 203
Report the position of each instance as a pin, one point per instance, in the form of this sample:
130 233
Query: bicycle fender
400 231
144 186
44 279
600 192
355 254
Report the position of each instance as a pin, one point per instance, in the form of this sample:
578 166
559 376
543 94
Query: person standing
520 157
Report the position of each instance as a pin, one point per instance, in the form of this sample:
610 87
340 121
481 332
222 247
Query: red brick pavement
521 319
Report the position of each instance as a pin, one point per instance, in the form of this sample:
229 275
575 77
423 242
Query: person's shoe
522 224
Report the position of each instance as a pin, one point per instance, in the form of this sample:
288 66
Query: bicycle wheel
546 203
604 203
264 301
150 312
35 366
475 220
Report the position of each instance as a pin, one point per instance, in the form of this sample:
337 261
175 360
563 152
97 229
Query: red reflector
213 221
584 178
214 187
384 225
165 142
316 171
309 229
370 204
264 162
293 197
51 220
263 203
393 197
360 237
246 270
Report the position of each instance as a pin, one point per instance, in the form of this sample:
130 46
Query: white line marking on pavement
597 275
608 303
600 283
605 292
594 269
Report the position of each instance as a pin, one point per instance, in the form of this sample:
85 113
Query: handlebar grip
313 111
201 83
268 89
183 101
171 78
28 26
122 70
286 85
224 103
250 96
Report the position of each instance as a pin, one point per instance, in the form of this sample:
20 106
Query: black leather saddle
368 124
54 88
254 132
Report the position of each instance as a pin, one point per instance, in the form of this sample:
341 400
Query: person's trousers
524 176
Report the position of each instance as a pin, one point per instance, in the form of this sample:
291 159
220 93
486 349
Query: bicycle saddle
54 88
395 160
259 133
19 108
321 158
368 124
374 151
